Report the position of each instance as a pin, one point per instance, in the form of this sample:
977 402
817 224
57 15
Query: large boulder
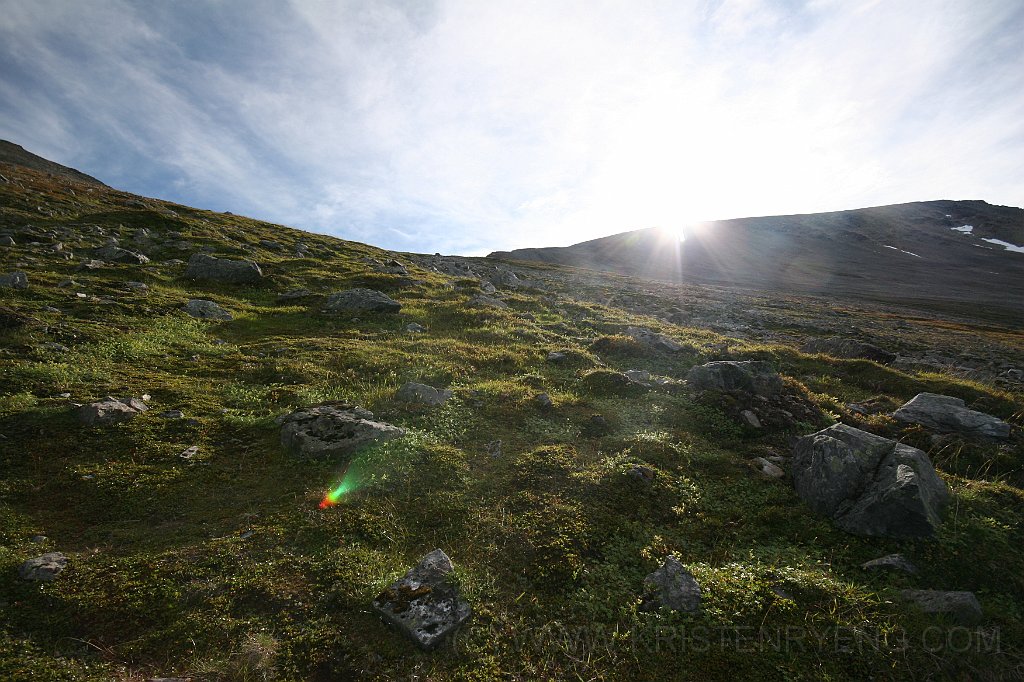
203 309
653 339
203 266
947 414
869 485
751 376
14 280
361 300
424 604
839 347
336 431
421 394
111 410
43 568
673 587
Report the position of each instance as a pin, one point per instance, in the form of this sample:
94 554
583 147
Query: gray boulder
653 339
361 300
752 376
766 468
203 266
44 568
424 604
336 431
839 347
962 607
14 280
119 255
869 485
890 562
110 410
411 392
203 309
673 587
947 414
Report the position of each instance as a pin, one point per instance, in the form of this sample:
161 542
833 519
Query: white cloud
462 126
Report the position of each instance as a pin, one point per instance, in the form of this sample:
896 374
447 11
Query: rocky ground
236 451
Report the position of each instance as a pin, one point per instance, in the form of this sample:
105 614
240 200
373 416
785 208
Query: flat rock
653 339
204 309
962 607
44 568
839 347
767 469
361 300
336 431
673 587
482 301
424 604
14 280
752 376
869 485
411 392
204 266
947 414
890 562
110 410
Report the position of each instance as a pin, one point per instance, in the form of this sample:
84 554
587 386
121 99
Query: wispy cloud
459 126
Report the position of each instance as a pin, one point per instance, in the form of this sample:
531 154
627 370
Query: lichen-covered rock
869 485
653 339
411 392
336 431
947 414
839 347
14 280
425 604
110 410
203 309
203 266
673 587
44 568
962 607
751 376
361 300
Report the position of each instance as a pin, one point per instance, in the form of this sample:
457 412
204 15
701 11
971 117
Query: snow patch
966 229
901 250
1006 245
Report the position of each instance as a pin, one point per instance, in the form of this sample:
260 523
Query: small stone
641 473
138 287
414 328
673 587
206 310
767 469
411 392
172 414
556 356
543 401
189 452
294 295
494 448
14 280
751 419
39 539
43 568
962 607
425 604
890 562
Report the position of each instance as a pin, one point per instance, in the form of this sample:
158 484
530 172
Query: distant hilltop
17 155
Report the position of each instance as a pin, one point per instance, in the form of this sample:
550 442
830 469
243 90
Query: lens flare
337 493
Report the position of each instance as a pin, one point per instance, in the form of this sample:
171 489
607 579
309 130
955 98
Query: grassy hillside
223 566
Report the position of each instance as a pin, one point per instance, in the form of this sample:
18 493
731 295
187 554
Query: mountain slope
17 155
920 252
200 546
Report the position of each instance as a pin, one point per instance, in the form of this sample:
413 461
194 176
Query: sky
467 126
